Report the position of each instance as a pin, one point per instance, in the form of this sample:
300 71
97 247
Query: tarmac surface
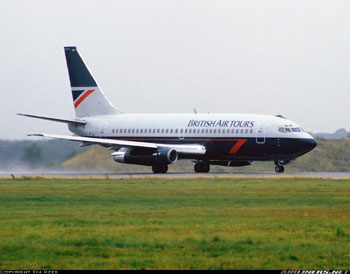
105 175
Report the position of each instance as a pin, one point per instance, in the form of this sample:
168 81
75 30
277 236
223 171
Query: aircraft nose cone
309 144
313 143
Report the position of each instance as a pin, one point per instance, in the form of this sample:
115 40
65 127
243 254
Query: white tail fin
88 98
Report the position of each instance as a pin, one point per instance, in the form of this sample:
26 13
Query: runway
106 175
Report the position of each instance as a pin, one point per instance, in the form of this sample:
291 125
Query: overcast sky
265 57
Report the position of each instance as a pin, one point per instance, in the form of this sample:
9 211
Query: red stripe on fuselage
177 139
237 146
83 97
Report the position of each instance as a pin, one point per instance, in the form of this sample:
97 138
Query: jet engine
162 156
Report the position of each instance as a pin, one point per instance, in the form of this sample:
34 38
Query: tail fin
88 98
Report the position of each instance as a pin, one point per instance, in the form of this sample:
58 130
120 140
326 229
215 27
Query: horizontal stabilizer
67 121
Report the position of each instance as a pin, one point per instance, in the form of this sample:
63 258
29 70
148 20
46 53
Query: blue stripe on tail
76 94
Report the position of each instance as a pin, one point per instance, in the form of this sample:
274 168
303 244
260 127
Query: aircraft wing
117 144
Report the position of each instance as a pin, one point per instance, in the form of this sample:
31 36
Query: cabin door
261 133
103 129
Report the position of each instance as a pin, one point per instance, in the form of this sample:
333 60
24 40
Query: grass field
175 224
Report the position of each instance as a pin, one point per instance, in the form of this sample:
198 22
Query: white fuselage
224 136
189 125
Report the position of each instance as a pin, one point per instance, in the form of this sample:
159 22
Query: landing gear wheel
160 169
279 169
201 167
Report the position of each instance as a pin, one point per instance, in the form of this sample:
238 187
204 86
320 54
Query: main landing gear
160 169
202 167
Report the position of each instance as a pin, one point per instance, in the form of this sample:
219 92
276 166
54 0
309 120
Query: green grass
175 224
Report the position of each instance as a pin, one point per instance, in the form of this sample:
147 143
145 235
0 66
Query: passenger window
133 130
237 131
202 130
251 131
181 130
141 130
116 131
167 131
171 130
242 131
186 130
246 131
154 130
112 130
125 130
206 131
210 131
176 131
214 131
158 130
162 130
137 130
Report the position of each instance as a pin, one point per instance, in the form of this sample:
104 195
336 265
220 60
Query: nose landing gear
279 165
279 169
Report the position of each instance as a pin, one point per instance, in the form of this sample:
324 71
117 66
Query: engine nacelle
163 156
230 163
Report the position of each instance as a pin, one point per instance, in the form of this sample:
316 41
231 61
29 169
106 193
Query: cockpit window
288 129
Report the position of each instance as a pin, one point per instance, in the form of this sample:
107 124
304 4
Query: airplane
158 140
